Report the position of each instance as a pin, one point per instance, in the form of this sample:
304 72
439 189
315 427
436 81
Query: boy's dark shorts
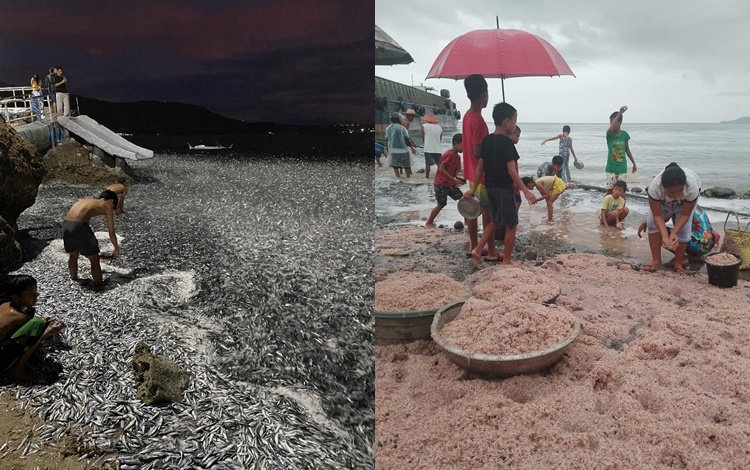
432 158
78 236
503 206
442 193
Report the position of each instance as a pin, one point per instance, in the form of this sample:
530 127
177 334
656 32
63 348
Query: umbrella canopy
499 53
388 51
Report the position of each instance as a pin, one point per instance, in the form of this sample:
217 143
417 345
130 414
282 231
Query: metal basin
404 327
493 365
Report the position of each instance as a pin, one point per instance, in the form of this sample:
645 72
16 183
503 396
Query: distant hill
159 117
742 120
169 118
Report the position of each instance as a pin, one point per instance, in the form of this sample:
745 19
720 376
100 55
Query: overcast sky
667 60
288 61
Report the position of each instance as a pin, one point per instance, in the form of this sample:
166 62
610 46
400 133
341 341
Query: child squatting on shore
613 206
20 330
550 187
551 168
672 194
446 183
498 162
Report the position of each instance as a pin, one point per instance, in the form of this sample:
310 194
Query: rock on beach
21 173
161 380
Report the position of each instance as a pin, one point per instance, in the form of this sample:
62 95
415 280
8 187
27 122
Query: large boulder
21 173
723 192
161 380
10 250
73 163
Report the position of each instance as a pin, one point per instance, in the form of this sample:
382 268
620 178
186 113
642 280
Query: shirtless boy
78 237
121 190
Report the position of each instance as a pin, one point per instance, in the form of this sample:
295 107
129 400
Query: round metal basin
404 327
493 365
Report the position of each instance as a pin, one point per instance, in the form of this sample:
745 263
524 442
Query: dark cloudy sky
289 61
668 60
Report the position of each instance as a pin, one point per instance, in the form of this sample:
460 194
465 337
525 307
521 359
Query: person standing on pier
62 96
36 96
49 84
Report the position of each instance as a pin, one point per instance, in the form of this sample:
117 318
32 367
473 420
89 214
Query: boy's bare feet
476 253
652 267
511 263
429 225
679 268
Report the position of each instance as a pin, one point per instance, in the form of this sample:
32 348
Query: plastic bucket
723 276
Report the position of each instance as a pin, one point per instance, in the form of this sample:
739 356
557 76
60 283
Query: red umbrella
499 53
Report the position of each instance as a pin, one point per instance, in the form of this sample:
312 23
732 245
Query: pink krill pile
508 327
657 378
407 291
518 284
722 259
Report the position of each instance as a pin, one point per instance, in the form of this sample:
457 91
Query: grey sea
716 152
253 272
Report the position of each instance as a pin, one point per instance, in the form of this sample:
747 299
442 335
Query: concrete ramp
103 138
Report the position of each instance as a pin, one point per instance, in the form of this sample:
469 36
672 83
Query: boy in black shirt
498 162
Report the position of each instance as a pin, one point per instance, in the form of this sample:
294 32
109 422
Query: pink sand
508 327
408 291
722 259
658 378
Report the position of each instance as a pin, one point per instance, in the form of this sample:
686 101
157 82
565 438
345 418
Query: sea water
716 152
260 266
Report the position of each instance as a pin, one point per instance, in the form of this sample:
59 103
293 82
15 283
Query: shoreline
575 226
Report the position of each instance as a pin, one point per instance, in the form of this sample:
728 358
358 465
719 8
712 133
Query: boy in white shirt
432 134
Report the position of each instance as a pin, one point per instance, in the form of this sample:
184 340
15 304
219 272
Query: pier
44 129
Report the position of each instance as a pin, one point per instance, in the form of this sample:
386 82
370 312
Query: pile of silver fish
252 272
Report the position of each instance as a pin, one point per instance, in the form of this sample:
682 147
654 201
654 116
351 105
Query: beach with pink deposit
657 378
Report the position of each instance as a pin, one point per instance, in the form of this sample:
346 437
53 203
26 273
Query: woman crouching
672 194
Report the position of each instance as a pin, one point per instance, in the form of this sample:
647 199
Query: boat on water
209 147
393 97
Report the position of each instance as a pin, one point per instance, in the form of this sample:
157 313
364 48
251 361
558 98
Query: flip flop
499 259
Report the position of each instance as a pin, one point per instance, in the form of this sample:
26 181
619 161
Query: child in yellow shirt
613 206
550 187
